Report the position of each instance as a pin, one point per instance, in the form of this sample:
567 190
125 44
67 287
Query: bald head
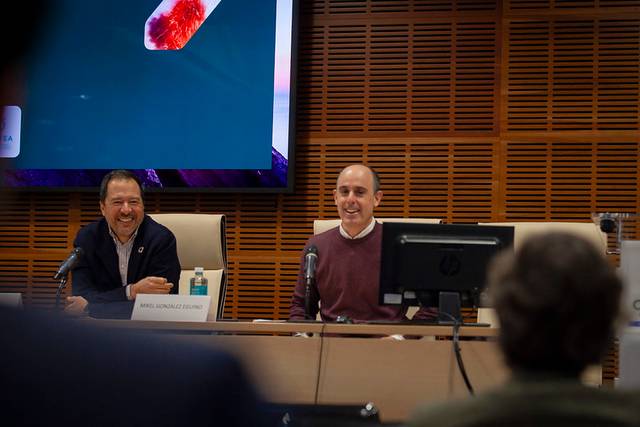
357 168
357 193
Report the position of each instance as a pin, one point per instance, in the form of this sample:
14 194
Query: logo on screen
10 129
449 265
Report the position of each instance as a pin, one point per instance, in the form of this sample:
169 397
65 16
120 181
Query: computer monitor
438 265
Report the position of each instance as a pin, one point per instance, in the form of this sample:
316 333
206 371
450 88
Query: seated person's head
558 300
121 202
356 195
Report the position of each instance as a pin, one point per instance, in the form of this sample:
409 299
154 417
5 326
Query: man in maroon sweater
348 267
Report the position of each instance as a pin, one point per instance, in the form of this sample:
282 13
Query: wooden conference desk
353 368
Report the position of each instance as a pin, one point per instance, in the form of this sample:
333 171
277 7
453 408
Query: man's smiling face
355 198
123 207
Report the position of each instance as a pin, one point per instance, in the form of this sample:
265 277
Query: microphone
310 261
68 263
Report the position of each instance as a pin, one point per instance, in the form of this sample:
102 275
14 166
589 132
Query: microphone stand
307 299
63 283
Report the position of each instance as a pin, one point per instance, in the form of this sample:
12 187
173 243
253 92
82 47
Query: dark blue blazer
97 277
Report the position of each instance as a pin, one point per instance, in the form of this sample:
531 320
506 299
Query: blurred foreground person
558 301
57 371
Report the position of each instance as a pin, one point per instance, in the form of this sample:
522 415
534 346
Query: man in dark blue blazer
125 252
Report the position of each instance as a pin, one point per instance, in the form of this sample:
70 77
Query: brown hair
119 174
557 299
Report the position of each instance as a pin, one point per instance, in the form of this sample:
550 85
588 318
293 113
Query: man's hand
76 306
302 334
394 337
151 285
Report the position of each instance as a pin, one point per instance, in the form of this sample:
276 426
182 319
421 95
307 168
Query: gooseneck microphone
310 261
63 271
68 263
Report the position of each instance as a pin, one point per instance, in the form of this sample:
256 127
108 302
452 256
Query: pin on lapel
141 249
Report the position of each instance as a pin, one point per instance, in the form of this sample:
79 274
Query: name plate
174 308
11 299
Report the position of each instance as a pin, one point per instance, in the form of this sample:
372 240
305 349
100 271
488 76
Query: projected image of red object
174 22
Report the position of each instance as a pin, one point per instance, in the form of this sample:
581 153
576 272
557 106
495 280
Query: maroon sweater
347 280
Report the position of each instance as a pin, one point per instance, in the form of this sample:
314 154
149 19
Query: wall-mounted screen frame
215 115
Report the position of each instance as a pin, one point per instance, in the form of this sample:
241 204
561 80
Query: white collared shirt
124 252
368 229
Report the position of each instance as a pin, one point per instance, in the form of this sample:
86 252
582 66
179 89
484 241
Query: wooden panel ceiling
572 74
398 71
568 180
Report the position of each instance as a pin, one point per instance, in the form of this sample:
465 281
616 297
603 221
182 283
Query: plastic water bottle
198 283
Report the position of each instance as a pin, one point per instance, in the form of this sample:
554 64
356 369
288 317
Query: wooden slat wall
471 110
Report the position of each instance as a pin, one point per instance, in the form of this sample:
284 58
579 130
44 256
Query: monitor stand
449 308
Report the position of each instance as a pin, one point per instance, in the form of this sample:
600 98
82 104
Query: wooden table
349 364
